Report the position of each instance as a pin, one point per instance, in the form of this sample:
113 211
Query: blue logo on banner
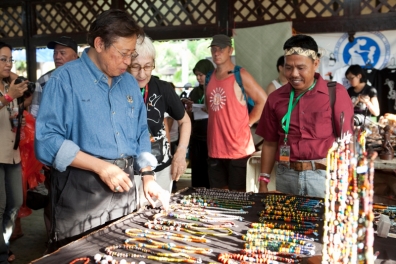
369 50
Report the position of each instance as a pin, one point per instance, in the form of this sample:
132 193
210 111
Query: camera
359 120
31 86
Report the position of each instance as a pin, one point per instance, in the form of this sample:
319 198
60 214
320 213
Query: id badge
284 156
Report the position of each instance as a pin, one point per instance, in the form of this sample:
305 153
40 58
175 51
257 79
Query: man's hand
115 178
179 164
151 190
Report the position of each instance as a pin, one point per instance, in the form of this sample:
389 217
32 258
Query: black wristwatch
144 173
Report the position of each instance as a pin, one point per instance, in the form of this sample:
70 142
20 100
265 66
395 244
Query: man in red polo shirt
297 123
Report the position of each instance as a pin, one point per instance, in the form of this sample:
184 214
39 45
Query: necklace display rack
348 224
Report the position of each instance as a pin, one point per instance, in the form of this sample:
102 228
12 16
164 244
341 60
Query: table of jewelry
212 226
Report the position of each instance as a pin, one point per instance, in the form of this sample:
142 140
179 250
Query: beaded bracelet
264 179
8 98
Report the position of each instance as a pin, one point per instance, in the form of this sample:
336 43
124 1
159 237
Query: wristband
8 98
264 179
265 175
144 173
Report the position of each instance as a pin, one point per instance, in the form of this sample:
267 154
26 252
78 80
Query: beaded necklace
279 232
208 211
257 258
166 235
282 247
226 194
167 246
303 220
348 230
206 219
195 226
178 228
188 203
158 256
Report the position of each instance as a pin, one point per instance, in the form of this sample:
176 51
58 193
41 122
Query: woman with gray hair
160 97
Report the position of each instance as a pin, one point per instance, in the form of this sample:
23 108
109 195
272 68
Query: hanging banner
371 50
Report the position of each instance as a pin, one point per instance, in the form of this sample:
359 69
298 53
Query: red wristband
8 98
264 179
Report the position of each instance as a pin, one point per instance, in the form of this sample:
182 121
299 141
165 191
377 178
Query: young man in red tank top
230 141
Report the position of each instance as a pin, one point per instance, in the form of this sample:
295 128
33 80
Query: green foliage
172 55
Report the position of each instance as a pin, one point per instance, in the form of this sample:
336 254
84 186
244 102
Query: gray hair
145 47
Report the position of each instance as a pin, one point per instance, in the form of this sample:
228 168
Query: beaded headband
301 51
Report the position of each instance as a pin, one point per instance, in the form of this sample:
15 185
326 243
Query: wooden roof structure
33 23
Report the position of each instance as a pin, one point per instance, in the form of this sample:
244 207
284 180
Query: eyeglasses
138 68
350 78
124 56
4 60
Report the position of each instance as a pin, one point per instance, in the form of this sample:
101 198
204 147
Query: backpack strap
332 94
238 79
207 77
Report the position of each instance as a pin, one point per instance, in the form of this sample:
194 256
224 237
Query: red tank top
229 135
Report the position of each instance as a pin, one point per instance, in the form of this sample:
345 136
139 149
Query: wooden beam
188 32
374 22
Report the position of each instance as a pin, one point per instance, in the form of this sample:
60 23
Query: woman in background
363 96
198 151
11 196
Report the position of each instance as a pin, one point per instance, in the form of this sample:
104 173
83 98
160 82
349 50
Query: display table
113 234
385 164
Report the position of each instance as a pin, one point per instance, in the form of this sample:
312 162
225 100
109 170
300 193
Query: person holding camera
11 196
363 96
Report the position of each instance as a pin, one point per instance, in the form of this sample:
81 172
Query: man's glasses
125 56
4 60
138 68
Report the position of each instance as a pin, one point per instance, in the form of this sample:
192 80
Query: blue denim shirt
79 111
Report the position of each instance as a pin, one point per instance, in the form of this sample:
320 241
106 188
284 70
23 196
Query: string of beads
158 256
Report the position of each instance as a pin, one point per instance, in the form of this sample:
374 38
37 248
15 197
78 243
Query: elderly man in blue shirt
92 129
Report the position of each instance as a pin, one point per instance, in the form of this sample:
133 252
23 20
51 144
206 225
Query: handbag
157 149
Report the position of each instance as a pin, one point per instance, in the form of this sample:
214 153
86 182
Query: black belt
122 163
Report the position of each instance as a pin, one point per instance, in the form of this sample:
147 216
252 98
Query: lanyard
287 117
145 93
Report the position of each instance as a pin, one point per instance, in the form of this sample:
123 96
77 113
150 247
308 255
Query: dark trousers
199 163
228 173
11 198
81 203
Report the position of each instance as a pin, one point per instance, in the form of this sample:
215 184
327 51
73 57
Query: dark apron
81 203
